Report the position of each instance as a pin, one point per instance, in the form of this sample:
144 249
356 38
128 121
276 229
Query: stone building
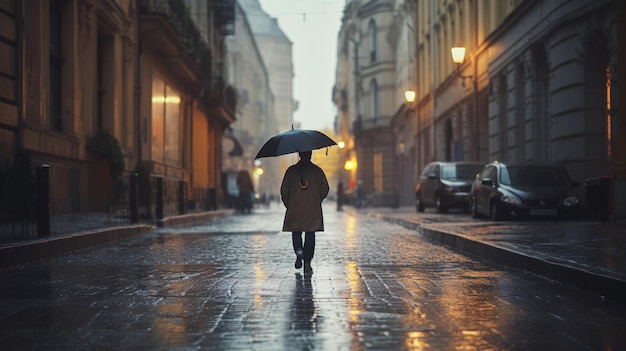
366 94
276 51
148 73
403 124
538 83
255 106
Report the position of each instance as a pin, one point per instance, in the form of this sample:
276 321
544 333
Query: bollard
43 200
211 199
133 198
159 198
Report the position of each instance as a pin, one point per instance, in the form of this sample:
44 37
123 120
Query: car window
427 169
489 172
460 171
436 170
533 176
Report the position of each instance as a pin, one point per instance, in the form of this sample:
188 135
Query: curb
599 284
40 249
192 218
25 252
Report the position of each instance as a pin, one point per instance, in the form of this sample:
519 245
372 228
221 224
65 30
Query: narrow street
230 285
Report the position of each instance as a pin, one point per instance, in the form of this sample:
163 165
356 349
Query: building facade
369 98
146 73
255 107
277 52
538 83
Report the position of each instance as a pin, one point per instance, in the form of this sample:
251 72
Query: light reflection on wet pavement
231 285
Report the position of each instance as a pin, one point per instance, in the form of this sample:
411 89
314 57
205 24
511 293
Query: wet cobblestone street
230 285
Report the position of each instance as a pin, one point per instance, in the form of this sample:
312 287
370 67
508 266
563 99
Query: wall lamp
409 96
458 57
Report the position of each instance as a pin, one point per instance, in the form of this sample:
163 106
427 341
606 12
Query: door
482 192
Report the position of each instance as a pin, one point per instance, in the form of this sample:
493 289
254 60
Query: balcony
167 29
222 99
365 124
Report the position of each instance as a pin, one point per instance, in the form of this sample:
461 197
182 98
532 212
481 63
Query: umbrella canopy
294 140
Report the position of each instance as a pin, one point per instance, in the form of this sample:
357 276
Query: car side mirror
487 182
431 176
574 184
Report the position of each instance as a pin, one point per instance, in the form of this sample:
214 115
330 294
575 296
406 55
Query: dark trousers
308 248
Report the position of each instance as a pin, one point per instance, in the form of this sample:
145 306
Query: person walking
339 196
302 191
246 188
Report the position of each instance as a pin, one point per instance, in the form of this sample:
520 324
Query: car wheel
419 205
495 212
439 206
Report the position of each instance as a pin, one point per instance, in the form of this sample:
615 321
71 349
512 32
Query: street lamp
458 57
458 54
409 96
349 165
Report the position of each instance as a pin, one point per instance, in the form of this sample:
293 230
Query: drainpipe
618 156
475 82
137 92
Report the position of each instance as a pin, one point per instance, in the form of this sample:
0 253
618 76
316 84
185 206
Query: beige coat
304 206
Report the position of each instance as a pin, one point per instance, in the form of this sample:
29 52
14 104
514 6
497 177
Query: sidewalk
73 232
584 254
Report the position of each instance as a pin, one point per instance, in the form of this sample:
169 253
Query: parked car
445 185
504 191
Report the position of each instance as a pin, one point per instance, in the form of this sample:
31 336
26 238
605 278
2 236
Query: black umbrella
294 140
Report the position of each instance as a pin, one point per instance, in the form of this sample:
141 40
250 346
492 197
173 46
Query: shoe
307 267
299 259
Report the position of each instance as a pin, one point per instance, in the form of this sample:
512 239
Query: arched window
374 100
373 41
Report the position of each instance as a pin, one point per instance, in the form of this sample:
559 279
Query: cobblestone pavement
230 285
589 255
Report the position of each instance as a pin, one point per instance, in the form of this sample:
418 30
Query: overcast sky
312 26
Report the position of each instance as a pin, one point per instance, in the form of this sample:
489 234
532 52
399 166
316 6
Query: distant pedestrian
359 194
303 188
246 188
339 196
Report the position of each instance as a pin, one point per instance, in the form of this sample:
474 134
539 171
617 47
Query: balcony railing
364 124
177 15
218 92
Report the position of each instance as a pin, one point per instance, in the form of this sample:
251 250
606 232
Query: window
56 61
459 171
374 100
373 41
427 169
165 122
437 170
489 173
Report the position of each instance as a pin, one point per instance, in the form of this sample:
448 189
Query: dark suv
445 185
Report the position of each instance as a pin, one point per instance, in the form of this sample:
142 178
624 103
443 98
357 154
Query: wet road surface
231 285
